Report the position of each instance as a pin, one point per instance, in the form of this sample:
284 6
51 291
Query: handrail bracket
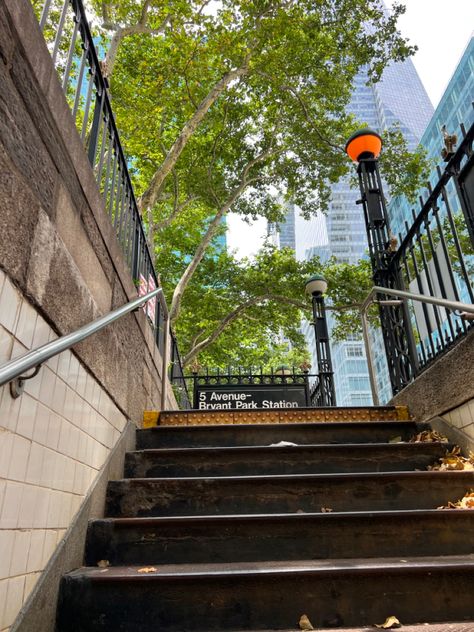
17 385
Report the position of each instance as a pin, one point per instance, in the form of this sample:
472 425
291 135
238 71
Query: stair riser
291 538
380 492
242 462
357 432
268 602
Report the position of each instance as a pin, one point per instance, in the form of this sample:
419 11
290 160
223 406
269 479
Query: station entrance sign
250 396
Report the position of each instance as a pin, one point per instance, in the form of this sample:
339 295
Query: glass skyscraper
283 234
455 108
399 98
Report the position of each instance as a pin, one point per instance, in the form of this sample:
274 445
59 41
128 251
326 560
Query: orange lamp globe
364 144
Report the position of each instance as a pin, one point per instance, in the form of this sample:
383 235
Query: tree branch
225 322
125 31
144 15
178 208
196 347
305 109
150 196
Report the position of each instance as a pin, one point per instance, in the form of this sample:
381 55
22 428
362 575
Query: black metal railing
436 256
322 390
74 53
177 377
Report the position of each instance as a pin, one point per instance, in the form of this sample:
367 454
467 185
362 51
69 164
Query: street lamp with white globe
316 286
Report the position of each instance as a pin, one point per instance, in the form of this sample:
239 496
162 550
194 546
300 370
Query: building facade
454 109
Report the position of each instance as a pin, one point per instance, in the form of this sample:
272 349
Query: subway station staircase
247 521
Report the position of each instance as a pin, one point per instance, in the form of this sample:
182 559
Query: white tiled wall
53 441
462 418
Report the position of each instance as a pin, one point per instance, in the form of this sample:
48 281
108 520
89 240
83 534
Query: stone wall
60 267
445 389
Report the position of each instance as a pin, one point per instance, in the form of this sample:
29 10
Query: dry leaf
429 436
396 440
147 569
103 563
389 623
305 623
326 509
453 461
466 502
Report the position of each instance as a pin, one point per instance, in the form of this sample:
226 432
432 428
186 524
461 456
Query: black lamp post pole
323 352
395 320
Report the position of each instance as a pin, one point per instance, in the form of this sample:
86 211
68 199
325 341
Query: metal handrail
13 371
465 308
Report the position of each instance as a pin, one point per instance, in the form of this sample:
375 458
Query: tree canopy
237 106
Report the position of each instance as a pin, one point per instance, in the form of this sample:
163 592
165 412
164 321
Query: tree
235 107
244 107
236 312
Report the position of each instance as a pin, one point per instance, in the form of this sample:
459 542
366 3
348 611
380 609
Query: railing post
195 403
465 189
94 134
370 358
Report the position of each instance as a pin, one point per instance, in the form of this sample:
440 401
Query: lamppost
317 286
364 148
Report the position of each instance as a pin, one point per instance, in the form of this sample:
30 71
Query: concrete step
197 540
307 459
382 491
249 596
259 435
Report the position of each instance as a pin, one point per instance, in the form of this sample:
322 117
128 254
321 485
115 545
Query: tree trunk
150 196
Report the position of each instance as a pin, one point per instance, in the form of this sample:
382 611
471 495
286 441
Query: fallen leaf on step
396 440
300 511
389 624
453 460
326 509
103 563
283 444
429 436
466 502
147 569
305 623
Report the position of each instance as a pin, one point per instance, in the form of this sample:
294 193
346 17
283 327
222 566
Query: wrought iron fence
177 377
322 390
436 258
74 53
251 377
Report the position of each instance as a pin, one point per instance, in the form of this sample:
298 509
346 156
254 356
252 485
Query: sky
441 29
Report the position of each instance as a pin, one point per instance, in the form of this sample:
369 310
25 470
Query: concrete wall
60 267
445 389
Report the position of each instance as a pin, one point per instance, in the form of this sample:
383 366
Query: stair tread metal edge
296 517
330 446
468 474
279 568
